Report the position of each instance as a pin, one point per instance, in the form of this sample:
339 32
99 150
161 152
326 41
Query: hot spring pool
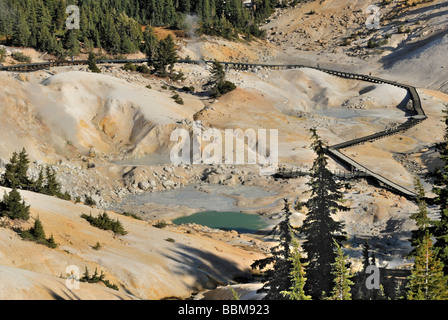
241 222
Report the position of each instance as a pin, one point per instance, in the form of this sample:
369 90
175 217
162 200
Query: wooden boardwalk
333 151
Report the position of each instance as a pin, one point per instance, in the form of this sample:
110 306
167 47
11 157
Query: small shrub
177 76
103 222
89 201
97 246
188 89
222 89
128 66
37 234
164 87
95 278
143 69
170 240
21 57
177 99
347 42
372 44
402 29
131 214
160 224
2 54
149 86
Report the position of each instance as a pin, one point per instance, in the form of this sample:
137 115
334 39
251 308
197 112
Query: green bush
2 54
97 246
372 44
37 234
188 89
103 222
177 99
143 68
95 278
223 88
160 224
131 214
21 57
128 66
13 207
89 201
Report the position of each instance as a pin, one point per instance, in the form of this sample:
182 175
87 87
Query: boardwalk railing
333 151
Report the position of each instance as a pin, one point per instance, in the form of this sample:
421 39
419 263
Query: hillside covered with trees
117 25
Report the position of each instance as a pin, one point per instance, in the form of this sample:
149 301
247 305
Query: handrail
333 150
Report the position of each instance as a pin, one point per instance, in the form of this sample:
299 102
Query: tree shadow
208 269
403 49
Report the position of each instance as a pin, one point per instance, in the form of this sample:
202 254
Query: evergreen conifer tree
149 45
22 171
440 227
297 273
52 186
92 63
165 56
341 274
278 277
38 185
13 206
322 233
220 85
420 217
427 280
10 179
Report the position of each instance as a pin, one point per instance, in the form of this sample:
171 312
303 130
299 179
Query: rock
144 185
168 169
168 184
153 183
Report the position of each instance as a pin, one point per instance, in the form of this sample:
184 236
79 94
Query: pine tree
92 63
427 280
365 255
52 186
220 85
320 230
72 43
21 31
422 221
149 45
22 171
165 56
37 231
440 227
278 277
38 185
341 274
10 179
364 292
297 274
13 206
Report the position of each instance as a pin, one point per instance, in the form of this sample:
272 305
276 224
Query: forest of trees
116 25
